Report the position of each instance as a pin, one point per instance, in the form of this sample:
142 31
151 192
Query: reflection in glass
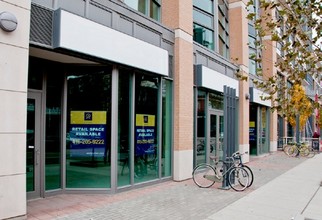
123 150
138 5
201 127
88 128
202 18
263 127
223 26
53 132
150 8
203 36
146 148
206 5
30 145
216 101
213 134
166 127
155 10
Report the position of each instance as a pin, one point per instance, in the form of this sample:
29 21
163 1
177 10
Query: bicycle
205 175
239 163
287 146
302 149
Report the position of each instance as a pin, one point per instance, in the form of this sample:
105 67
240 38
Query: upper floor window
203 23
252 37
151 8
210 25
223 28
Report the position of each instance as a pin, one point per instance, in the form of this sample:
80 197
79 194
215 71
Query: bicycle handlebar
237 154
234 156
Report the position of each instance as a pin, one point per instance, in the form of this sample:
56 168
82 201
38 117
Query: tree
299 104
295 27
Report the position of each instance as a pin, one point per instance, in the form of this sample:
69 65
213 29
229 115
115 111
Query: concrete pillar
14 52
177 14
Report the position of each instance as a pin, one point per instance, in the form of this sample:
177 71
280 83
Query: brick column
177 14
239 51
269 69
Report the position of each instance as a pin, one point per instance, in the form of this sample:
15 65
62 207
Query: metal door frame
38 146
217 114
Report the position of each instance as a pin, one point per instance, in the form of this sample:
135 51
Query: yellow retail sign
145 120
88 117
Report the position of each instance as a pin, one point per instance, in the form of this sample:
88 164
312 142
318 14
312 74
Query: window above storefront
151 8
210 25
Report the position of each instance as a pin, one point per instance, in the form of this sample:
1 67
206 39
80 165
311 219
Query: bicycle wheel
292 151
285 149
204 175
238 179
312 152
250 174
304 151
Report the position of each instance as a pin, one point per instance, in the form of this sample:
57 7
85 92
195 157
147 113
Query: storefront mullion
114 127
125 126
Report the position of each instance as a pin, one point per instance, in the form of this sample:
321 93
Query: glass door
33 145
262 131
216 133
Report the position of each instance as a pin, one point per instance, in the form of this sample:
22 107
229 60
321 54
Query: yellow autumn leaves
300 104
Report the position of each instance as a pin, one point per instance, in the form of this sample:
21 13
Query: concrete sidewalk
284 188
297 194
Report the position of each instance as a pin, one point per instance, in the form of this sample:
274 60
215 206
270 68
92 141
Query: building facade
106 95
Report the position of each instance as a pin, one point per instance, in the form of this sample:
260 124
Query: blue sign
87 140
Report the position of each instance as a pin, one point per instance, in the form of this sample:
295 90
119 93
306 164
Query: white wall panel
256 97
14 68
13 154
183 161
214 80
13 201
82 35
13 112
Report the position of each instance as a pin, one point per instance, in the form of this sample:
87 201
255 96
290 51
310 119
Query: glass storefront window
35 76
88 128
201 129
166 127
146 147
30 141
53 132
124 174
264 127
